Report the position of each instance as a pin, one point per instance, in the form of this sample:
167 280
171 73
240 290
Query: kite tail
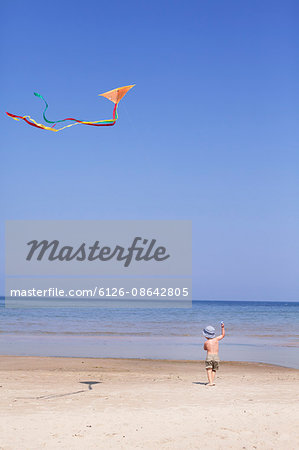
44 112
30 121
108 121
114 96
33 123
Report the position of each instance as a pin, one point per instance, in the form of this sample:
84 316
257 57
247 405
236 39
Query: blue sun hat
209 332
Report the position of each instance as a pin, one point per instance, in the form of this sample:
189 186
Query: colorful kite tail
114 96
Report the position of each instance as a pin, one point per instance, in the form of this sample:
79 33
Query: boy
212 347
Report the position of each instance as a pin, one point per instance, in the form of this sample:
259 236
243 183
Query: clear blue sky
209 133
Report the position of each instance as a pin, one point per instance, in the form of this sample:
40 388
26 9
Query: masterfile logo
145 250
115 248
98 263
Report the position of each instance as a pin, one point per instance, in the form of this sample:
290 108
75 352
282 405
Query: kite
114 96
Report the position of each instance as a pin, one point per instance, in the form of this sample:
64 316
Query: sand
75 403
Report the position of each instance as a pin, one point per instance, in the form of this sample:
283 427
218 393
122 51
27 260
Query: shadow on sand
90 383
44 397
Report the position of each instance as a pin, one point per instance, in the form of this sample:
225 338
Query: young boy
212 347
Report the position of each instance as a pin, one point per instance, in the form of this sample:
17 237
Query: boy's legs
210 376
213 375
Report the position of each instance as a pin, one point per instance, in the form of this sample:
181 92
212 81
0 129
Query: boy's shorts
212 362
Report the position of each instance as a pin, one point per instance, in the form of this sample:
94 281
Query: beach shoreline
255 331
111 403
39 361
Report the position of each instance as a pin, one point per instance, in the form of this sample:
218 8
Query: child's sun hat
209 332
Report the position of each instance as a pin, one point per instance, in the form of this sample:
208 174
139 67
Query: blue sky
209 133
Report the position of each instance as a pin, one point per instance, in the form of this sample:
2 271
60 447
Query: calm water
255 331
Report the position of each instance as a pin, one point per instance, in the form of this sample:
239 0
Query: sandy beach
74 403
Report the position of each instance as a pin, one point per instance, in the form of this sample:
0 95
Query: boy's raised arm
222 332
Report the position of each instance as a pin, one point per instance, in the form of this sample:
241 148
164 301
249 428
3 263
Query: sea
266 332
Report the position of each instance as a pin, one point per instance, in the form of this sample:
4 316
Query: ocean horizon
257 331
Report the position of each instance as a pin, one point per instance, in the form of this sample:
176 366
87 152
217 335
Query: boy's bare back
212 345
